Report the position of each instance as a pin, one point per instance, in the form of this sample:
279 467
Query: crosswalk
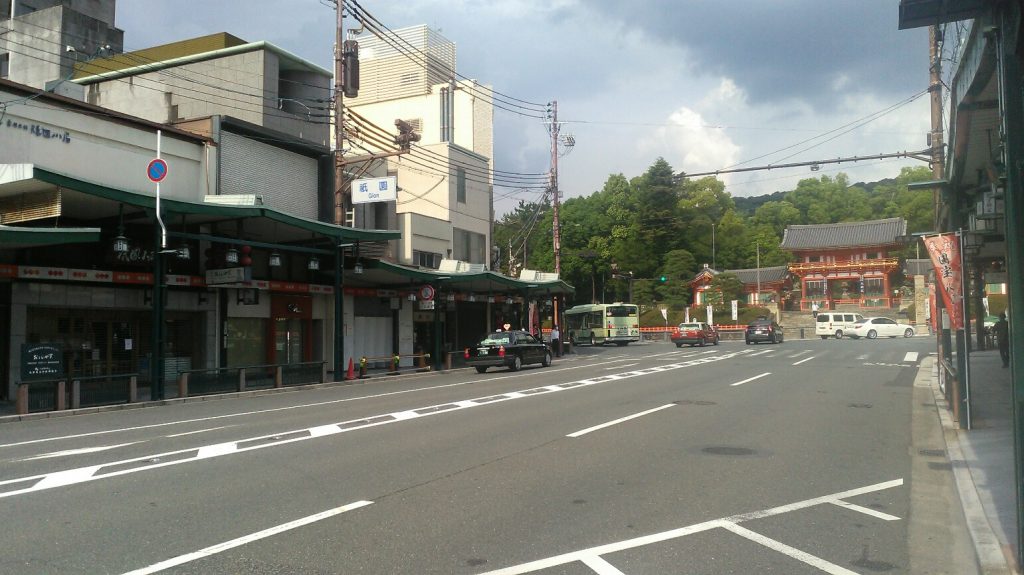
794 353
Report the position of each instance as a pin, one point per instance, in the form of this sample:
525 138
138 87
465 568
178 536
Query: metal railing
76 392
216 380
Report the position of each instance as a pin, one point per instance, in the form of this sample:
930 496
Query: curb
987 548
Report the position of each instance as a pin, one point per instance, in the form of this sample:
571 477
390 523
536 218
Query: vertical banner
944 250
711 315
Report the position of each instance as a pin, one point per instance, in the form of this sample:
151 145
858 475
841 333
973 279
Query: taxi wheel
547 359
908 333
481 368
517 363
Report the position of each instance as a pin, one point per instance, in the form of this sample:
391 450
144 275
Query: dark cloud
778 50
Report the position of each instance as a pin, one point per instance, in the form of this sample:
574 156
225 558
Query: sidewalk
983 461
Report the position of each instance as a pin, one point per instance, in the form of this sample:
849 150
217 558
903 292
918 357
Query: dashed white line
620 420
81 451
760 352
160 460
198 431
221 547
911 356
749 379
600 566
621 366
803 360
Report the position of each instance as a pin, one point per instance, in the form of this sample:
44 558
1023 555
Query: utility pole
555 223
340 203
935 137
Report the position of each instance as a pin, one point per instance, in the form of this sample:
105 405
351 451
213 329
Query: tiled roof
772 274
844 235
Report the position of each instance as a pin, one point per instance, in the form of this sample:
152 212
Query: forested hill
655 227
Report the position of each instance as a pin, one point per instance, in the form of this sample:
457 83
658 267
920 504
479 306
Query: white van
835 323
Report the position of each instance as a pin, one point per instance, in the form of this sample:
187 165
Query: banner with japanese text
944 250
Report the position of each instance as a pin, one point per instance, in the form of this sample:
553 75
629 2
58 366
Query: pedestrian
814 309
556 335
1002 331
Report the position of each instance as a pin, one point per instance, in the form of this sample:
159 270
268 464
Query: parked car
511 349
873 327
694 333
763 330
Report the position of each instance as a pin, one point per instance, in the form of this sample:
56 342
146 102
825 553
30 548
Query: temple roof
844 235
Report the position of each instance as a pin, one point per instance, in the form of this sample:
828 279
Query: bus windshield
620 311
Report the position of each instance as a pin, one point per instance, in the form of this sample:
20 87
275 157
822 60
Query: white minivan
835 323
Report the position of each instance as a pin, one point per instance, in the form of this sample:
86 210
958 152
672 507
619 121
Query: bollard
21 405
362 367
448 361
801 333
183 384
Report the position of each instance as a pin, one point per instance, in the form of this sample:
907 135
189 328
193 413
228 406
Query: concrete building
44 39
445 201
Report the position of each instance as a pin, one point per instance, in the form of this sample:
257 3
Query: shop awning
15 237
388 275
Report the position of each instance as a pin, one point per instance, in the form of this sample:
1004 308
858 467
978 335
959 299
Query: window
426 259
468 246
460 185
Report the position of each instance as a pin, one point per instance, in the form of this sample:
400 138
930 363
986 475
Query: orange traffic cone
351 374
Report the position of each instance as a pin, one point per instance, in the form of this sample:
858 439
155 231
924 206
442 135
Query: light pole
713 245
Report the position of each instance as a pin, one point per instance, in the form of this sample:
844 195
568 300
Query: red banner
944 250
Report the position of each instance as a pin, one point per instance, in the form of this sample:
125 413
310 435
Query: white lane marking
799 353
760 352
600 566
803 360
221 547
198 431
620 420
749 379
816 562
621 366
608 548
81 451
156 461
865 510
911 356
273 409
68 477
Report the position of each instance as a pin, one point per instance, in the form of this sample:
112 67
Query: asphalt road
805 457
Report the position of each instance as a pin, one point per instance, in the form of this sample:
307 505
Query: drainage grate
725 450
860 405
694 402
932 452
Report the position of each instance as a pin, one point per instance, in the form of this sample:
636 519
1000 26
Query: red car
694 333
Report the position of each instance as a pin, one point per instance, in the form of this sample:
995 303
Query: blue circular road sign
157 170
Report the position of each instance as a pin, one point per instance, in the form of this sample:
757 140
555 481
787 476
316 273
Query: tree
725 287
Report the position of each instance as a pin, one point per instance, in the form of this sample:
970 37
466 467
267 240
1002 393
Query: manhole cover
725 450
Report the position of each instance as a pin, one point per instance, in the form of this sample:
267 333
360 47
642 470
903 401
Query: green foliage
654 226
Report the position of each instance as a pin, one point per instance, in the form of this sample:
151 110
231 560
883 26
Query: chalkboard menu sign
41 361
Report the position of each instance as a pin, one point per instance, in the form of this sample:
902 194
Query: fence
233 379
90 391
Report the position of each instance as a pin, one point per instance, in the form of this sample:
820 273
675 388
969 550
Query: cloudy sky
705 84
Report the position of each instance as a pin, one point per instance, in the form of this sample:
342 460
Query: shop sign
427 304
370 190
41 361
228 276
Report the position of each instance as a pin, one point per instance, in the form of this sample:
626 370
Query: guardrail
233 379
75 392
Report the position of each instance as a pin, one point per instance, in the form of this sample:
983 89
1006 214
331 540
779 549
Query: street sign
156 170
369 190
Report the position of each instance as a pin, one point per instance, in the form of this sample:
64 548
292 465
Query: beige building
445 199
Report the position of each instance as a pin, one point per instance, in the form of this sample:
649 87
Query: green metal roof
14 237
480 282
180 207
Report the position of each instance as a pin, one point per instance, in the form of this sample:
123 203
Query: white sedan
873 327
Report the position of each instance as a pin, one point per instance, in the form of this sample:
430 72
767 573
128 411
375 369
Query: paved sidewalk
983 462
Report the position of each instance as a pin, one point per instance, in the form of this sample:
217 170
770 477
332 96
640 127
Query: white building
445 201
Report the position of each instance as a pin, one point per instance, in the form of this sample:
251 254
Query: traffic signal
406 135
663 279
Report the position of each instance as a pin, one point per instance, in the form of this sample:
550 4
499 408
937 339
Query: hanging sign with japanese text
366 191
944 250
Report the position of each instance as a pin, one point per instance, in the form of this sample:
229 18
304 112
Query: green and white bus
600 323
